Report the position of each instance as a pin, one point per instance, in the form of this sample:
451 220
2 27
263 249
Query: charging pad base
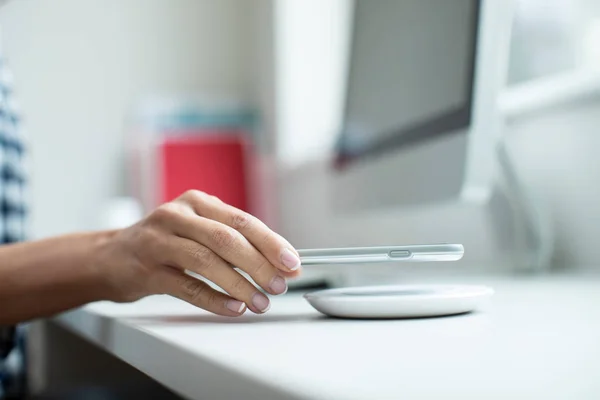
400 301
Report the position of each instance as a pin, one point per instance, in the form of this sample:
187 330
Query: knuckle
262 267
193 289
196 196
202 259
193 193
165 212
269 239
240 220
212 300
223 238
198 200
238 285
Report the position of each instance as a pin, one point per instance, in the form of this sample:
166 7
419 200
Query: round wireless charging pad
407 301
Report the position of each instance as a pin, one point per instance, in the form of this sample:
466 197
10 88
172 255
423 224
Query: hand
199 233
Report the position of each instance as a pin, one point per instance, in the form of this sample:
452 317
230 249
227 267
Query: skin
196 232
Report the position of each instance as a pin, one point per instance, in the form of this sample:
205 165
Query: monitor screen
410 74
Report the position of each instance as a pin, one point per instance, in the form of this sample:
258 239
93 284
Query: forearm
42 278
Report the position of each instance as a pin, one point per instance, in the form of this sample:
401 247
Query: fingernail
235 306
260 302
278 285
290 260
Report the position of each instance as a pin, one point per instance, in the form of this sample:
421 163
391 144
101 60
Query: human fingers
187 288
277 250
232 247
188 254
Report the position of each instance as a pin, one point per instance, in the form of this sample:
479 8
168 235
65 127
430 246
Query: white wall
311 43
80 64
556 153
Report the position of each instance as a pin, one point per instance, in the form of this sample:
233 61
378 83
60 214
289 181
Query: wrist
102 250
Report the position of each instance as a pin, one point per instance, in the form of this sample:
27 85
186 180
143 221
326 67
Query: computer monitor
416 140
419 122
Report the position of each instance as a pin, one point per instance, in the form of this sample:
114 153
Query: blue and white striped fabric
12 170
13 212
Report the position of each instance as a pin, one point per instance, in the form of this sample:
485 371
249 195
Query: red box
213 162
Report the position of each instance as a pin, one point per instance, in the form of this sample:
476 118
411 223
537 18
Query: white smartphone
356 255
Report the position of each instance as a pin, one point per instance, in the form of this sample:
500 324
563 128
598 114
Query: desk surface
539 338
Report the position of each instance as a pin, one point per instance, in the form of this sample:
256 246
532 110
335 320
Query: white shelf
546 93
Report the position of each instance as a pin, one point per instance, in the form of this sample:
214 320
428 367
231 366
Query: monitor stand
533 233
506 231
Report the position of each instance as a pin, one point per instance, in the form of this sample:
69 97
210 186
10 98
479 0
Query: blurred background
337 123
126 100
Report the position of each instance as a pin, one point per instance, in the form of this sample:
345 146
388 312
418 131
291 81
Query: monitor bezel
451 123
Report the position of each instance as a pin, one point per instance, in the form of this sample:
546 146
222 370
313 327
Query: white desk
539 338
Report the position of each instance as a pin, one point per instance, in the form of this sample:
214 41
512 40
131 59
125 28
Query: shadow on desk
270 319
216 319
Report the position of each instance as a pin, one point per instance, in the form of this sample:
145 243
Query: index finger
273 246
